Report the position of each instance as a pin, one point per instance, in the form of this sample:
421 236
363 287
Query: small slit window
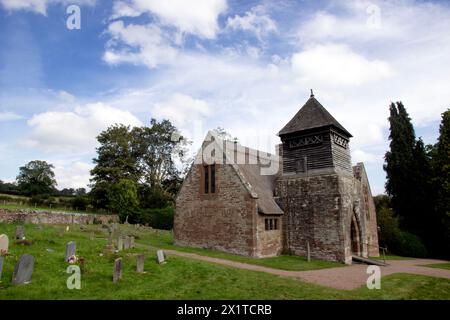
271 224
209 179
206 177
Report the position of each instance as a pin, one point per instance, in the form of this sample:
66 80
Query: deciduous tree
36 177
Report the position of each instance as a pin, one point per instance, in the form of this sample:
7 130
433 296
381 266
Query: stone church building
306 198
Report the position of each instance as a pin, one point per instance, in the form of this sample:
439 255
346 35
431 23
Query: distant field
39 208
179 278
15 202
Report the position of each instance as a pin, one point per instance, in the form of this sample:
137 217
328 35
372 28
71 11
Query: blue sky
246 66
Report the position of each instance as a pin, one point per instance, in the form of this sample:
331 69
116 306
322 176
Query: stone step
369 261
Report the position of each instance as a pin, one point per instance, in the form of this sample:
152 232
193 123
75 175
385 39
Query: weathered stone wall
225 220
36 217
368 207
269 242
352 212
321 209
312 213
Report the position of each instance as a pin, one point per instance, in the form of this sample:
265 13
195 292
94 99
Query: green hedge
157 218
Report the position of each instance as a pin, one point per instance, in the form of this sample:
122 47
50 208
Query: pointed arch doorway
355 237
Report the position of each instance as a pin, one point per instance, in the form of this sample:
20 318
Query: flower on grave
73 259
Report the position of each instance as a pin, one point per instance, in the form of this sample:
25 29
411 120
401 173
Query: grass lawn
439 265
164 240
180 278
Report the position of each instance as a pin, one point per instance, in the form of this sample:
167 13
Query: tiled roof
312 115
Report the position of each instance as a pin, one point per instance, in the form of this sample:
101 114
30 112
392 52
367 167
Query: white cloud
256 20
39 6
150 46
72 174
363 156
75 131
197 17
337 65
9 116
123 9
179 106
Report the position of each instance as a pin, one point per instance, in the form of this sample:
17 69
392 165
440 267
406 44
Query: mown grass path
347 278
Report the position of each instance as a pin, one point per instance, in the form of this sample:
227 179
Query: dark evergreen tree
398 161
408 172
441 189
421 215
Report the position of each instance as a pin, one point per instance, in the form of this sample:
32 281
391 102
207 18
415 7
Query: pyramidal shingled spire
312 115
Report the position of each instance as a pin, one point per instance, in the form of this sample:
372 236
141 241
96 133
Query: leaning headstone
161 257
1 266
117 270
4 244
132 244
20 233
126 220
71 248
23 270
140 263
120 243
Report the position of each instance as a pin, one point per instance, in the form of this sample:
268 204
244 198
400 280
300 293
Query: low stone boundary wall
48 217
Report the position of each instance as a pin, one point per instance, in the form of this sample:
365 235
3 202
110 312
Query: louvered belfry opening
314 140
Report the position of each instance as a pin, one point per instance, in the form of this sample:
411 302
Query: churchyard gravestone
126 220
127 243
71 248
20 233
2 259
120 243
110 238
117 270
132 244
67 229
161 257
4 244
23 270
140 263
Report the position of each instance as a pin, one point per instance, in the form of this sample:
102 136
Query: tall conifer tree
441 188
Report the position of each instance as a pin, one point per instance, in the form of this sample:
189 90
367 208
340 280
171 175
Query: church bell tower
316 188
313 142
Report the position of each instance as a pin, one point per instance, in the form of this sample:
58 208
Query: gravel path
348 278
